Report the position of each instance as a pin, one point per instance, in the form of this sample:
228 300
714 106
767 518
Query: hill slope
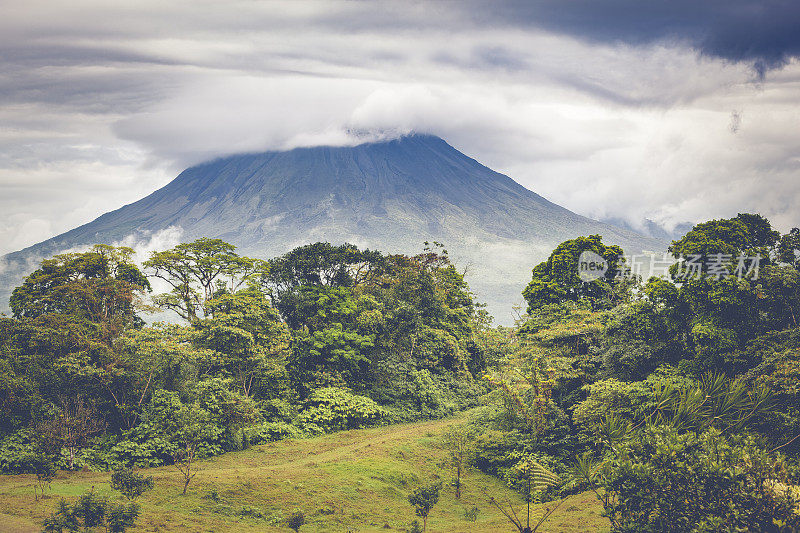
389 195
351 481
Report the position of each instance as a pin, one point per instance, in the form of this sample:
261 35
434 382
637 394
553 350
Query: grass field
350 481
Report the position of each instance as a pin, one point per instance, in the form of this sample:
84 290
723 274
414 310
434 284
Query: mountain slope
389 195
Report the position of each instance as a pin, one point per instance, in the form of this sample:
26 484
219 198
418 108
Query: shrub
412 394
130 484
471 514
271 432
15 456
295 520
154 451
92 512
666 481
334 409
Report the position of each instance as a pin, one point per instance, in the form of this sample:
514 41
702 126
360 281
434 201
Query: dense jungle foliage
675 399
322 339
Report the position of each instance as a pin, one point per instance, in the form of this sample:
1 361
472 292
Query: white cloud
97 111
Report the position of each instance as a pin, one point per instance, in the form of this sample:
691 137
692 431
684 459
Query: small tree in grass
459 443
45 473
423 499
131 484
533 479
194 426
41 460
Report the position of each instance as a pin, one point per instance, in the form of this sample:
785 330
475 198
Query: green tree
320 264
69 313
459 441
778 293
745 234
740 292
196 271
163 356
247 333
193 429
100 285
429 314
44 469
639 337
665 480
423 499
229 411
557 279
789 248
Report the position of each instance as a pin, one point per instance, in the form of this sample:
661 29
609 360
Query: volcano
389 195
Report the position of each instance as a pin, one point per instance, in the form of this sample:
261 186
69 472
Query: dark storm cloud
763 33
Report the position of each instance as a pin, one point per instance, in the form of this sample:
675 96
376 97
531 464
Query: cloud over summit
613 109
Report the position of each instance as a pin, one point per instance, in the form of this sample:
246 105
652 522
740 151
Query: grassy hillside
349 481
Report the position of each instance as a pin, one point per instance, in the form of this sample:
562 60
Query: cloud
762 33
613 109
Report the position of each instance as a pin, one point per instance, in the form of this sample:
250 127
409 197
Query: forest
674 400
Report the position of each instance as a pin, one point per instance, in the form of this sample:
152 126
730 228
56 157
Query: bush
471 514
130 484
665 481
297 519
272 431
155 451
154 442
412 394
334 409
629 400
92 512
15 454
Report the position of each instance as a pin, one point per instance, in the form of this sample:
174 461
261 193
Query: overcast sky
628 109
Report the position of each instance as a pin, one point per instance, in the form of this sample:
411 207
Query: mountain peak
389 194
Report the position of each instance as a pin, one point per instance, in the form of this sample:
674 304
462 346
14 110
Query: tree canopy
557 280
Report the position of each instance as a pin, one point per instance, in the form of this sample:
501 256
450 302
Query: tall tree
318 265
198 269
746 234
101 286
789 248
723 270
248 334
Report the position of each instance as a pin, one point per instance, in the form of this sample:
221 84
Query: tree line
320 339
673 399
